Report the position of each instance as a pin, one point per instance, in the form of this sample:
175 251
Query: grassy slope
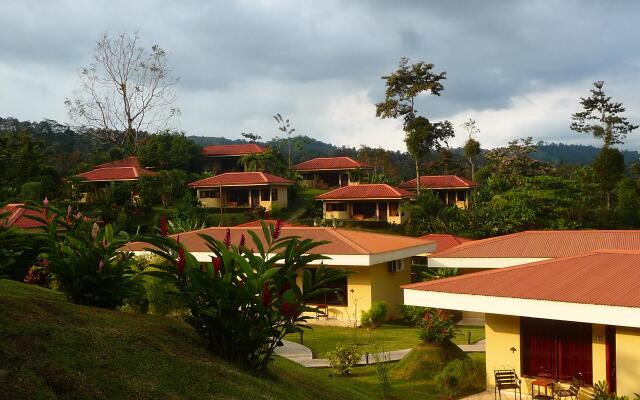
50 349
322 339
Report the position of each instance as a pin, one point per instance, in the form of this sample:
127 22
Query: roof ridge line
336 233
485 240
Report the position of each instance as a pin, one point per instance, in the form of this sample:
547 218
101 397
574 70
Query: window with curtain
558 350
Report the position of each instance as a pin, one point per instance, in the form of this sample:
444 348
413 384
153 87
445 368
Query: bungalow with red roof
380 264
527 247
332 172
451 189
444 242
225 157
367 202
103 175
243 190
556 320
16 216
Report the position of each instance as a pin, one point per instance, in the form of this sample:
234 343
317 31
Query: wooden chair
571 393
506 379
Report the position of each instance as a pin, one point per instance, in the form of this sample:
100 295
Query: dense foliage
243 304
86 261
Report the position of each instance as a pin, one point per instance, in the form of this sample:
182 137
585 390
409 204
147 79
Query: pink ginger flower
100 266
95 230
243 240
45 202
69 210
227 239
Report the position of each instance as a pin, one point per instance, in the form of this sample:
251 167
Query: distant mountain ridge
65 139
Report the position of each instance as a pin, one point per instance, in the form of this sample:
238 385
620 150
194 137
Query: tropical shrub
383 372
344 358
412 315
242 304
375 316
86 261
437 327
38 274
460 377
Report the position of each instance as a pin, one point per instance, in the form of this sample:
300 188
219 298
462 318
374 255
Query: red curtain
556 349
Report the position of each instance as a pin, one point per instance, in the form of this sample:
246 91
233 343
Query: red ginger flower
266 295
100 265
164 228
227 239
243 240
289 310
277 230
69 209
182 262
216 265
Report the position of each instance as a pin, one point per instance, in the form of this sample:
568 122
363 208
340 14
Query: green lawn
322 339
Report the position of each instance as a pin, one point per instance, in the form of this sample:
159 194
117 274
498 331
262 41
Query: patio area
487 395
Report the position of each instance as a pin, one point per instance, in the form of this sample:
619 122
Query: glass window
210 194
264 194
558 350
396 265
336 206
274 194
337 296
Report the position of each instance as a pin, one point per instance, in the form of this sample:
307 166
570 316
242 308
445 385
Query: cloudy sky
518 68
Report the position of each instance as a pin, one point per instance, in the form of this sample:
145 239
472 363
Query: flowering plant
437 326
242 303
85 260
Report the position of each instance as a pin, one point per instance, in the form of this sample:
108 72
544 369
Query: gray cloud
239 62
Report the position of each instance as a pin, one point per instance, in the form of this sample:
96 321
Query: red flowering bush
436 326
86 261
38 274
242 304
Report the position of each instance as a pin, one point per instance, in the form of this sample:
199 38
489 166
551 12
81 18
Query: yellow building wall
502 332
628 361
282 202
385 286
369 284
599 353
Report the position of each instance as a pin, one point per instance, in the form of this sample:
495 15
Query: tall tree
403 87
251 137
422 136
609 167
472 145
285 127
602 117
124 91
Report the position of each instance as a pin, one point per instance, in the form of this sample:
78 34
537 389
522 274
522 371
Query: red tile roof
366 191
341 241
546 244
241 179
440 182
606 277
444 241
18 217
232 150
330 163
106 174
131 161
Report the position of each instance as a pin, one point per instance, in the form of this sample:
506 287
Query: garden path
302 355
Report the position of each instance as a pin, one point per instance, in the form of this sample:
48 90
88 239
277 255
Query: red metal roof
606 277
131 161
444 241
330 163
546 244
366 191
258 223
107 174
17 217
232 150
241 179
440 182
341 241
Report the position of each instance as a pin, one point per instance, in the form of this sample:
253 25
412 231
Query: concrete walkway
506 395
302 355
